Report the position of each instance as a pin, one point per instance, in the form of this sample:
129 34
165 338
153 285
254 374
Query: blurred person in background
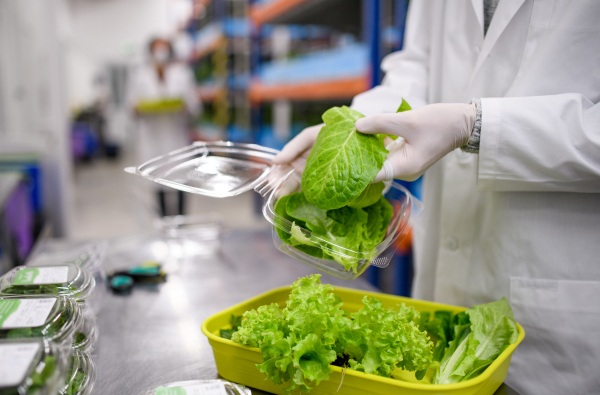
163 97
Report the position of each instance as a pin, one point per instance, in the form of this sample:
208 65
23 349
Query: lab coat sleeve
406 71
543 143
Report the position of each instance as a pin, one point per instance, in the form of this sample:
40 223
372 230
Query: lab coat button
476 49
452 243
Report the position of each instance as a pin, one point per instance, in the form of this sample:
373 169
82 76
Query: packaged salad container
201 227
53 318
225 169
86 336
194 387
238 363
89 257
57 280
81 375
32 367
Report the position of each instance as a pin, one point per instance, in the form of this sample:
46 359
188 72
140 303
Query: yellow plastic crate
238 363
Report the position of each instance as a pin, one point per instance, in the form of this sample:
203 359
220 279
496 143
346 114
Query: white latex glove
426 134
296 151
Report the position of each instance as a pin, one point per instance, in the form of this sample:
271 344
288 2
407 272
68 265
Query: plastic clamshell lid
230 387
90 257
87 335
402 201
217 169
57 280
81 375
62 322
47 356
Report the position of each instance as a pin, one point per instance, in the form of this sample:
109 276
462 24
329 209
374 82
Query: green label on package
42 275
24 313
214 388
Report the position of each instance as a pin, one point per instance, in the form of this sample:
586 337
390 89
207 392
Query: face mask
160 55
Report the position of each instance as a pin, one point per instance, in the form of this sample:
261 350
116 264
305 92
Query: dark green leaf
369 196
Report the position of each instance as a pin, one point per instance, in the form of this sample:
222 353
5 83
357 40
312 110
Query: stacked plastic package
48 323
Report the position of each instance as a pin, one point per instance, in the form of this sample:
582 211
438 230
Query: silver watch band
472 145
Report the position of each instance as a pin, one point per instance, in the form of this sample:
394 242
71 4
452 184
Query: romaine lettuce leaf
342 161
476 345
379 216
316 219
369 196
334 234
280 225
404 106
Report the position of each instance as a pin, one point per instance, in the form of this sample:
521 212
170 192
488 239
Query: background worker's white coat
161 133
522 218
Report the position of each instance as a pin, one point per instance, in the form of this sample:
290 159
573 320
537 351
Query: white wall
33 109
113 31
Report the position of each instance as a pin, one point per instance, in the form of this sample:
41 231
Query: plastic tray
44 353
237 363
81 375
77 283
63 321
224 169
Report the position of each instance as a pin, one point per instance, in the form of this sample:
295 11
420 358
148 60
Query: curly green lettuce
387 339
299 342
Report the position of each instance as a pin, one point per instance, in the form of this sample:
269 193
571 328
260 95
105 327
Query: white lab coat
161 133
522 218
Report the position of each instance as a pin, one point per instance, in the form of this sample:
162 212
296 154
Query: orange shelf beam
320 90
260 14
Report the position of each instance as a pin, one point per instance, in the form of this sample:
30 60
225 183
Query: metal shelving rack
373 17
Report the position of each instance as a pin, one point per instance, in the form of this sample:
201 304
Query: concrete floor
109 202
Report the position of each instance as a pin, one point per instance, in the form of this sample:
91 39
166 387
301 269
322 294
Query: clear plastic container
403 204
217 169
55 318
32 367
89 257
199 387
56 280
199 227
81 375
85 338
224 169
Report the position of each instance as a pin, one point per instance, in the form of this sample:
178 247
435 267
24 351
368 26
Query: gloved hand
296 151
426 134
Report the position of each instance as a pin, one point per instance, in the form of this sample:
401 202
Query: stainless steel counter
152 336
